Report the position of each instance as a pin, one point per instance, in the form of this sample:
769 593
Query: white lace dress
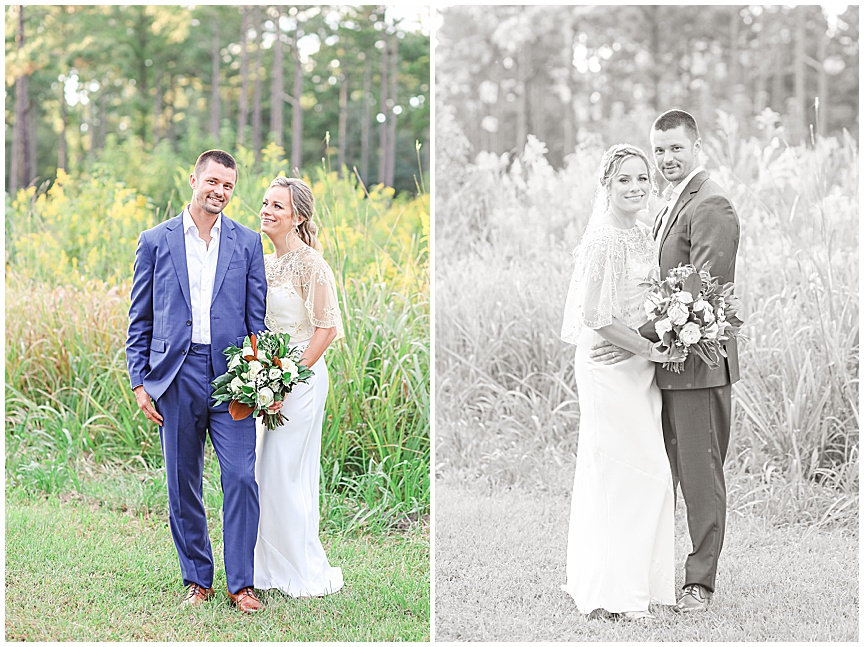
620 551
301 296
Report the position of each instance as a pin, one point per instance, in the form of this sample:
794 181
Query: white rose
254 368
247 350
265 397
235 362
275 373
236 384
662 326
678 313
683 297
690 334
708 315
289 368
699 304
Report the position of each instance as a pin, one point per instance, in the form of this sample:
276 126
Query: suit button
184 351
188 323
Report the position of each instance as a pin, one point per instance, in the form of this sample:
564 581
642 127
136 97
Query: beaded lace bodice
301 294
610 265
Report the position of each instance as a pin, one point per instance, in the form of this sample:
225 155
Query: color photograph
217 366
646 323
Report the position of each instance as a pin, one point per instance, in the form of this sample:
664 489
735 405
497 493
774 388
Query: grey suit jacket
703 226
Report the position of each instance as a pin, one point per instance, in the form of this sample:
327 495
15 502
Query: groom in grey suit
698 225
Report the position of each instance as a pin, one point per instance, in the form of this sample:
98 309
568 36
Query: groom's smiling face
676 152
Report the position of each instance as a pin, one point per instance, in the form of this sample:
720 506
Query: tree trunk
391 114
243 112
297 108
800 91
522 103
64 122
277 85
157 113
30 157
256 93
366 121
382 130
215 107
343 122
19 136
822 82
143 27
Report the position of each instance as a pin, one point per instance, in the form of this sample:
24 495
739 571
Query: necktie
658 221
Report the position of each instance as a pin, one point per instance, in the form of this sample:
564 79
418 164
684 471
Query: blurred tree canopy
125 85
567 73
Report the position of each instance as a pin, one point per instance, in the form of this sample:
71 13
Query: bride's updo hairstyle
609 165
303 207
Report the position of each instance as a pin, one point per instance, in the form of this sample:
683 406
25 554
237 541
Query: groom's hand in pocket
605 352
146 405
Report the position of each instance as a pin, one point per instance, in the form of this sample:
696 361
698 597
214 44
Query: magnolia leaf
254 341
692 284
239 411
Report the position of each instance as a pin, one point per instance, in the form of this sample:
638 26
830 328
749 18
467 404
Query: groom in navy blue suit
198 286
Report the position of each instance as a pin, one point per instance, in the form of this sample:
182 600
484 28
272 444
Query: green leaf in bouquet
707 353
693 285
668 338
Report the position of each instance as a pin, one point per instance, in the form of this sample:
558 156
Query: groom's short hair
674 118
220 157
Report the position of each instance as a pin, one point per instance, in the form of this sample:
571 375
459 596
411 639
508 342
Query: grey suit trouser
696 424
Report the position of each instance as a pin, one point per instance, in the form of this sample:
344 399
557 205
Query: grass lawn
500 560
78 571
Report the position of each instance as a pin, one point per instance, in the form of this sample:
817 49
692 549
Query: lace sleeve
321 299
593 299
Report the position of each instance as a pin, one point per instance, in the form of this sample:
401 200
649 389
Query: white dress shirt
674 194
201 265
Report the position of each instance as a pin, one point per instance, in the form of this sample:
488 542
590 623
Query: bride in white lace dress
301 300
620 553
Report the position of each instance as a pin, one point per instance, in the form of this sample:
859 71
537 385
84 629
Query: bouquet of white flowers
259 374
691 312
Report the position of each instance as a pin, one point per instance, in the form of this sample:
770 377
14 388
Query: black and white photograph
646 323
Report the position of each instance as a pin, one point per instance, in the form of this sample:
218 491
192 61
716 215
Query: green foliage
68 398
506 398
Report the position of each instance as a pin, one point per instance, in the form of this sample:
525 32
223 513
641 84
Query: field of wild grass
506 403
71 419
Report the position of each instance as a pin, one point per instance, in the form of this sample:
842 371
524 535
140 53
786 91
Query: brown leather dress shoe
696 598
196 594
246 600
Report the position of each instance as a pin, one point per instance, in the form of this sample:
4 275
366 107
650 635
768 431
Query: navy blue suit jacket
160 315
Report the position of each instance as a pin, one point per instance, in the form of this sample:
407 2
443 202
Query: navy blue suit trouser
189 412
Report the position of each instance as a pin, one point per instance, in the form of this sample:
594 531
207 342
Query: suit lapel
227 241
177 249
687 194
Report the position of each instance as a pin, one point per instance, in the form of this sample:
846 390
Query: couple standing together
620 554
201 282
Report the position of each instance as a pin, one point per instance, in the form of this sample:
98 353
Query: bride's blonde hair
303 207
609 165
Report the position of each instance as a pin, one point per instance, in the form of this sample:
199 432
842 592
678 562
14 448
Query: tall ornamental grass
68 402
507 408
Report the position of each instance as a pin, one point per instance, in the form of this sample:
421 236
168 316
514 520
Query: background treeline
567 73
133 87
